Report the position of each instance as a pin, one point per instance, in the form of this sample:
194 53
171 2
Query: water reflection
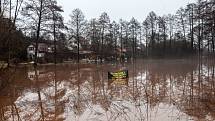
166 90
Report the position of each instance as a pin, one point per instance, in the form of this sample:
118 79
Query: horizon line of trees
190 31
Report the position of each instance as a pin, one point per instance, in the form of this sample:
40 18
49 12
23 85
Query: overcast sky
125 9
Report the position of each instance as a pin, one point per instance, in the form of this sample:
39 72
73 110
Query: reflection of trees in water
200 101
34 102
189 87
8 94
72 91
192 92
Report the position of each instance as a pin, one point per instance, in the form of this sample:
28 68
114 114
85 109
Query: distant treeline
190 31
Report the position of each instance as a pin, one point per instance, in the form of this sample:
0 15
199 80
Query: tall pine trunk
38 32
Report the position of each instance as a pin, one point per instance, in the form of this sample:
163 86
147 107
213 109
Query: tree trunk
133 45
77 38
121 44
115 46
199 31
38 32
184 31
199 36
170 38
0 9
191 29
146 42
102 52
55 46
164 34
10 11
213 35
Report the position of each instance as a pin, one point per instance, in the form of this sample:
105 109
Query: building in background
44 48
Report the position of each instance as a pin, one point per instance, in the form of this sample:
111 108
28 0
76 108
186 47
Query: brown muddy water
157 90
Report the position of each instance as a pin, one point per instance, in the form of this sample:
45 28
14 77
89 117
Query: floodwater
157 90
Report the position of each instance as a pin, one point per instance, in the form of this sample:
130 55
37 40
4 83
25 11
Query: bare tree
93 34
181 17
35 14
57 24
146 31
76 25
104 21
134 26
163 29
151 19
124 33
114 32
170 22
190 10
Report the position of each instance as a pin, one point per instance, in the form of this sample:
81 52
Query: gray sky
125 9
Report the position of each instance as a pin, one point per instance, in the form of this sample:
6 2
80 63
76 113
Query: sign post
119 77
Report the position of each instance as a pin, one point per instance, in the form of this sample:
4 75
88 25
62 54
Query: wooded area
189 32
159 68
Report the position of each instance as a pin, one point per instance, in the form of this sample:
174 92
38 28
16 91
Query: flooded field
157 90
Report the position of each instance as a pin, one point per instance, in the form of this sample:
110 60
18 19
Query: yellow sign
118 75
